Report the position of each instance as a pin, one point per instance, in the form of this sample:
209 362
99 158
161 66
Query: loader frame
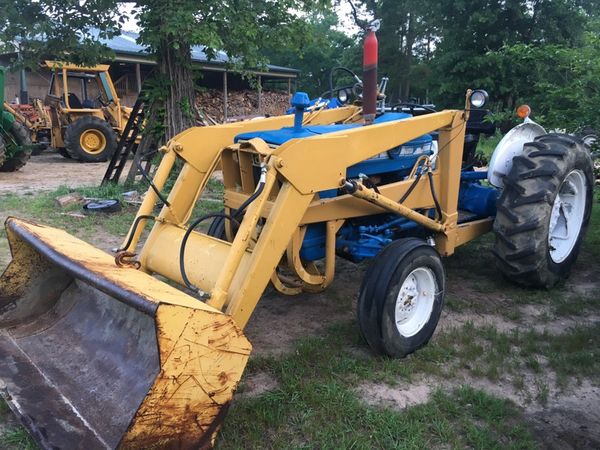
234 274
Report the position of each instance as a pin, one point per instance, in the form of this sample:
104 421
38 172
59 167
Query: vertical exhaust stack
370 50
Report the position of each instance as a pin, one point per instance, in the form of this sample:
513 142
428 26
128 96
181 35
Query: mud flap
97 356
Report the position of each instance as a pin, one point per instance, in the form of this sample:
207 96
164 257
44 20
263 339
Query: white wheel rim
567 216
415 301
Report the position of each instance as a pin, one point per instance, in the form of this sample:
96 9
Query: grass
17 439
13 437
43 208
459 419
315 404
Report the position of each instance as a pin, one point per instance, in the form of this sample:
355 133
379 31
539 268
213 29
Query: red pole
370 76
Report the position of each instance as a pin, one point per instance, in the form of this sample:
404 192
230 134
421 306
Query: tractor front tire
21 155
401 297
90 139
543 210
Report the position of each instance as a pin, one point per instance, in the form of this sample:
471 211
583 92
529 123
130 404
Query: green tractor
15 140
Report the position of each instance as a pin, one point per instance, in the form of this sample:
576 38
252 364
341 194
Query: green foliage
560 82
543 53
322 47
66 29
473 33
73 30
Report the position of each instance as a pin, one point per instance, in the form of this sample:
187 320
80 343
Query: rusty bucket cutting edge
96 356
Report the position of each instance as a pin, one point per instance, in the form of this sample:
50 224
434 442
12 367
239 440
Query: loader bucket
98 356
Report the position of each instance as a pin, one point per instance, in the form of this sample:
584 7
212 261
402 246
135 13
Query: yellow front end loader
103 351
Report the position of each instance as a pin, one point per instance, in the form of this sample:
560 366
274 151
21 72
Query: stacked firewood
240 105
28 111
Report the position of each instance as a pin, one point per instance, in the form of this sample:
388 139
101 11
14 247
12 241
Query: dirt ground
50 170
570 419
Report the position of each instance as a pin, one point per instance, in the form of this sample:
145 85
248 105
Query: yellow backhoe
82 114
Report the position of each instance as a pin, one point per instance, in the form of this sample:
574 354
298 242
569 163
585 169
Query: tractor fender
510 146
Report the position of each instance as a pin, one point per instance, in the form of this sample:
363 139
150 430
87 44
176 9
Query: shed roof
126 44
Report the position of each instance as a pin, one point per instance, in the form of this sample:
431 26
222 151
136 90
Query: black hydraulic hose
149 180
136 223
433 194
411 187
186 236
233 218
249 200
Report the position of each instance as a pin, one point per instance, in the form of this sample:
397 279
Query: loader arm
235 274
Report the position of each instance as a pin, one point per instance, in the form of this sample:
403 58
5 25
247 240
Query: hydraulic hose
186 236
411 187
233 218
433 194
151 182
134 229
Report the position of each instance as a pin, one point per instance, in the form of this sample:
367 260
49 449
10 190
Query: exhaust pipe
370 56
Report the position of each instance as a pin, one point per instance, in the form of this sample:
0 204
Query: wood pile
28 111
240 105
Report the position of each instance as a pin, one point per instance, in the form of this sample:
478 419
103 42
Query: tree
406 39
323 48
473 31
561 83
71 29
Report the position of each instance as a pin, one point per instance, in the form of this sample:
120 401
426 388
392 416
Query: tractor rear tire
90 139
543 210
22 139
401 297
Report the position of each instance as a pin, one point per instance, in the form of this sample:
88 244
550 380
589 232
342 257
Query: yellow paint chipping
202 358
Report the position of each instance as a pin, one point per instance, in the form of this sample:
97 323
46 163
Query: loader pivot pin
300 101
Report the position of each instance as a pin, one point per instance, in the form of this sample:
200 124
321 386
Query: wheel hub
92 141
567 214
415 301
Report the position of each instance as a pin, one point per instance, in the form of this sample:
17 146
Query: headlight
342 96
478 98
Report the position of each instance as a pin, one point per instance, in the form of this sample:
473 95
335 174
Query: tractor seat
74 101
